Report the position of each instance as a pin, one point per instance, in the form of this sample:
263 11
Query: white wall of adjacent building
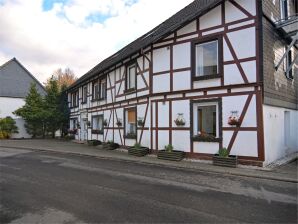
280 132
7 106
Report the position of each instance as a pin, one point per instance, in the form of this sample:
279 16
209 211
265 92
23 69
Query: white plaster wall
189 28
161 59
233 13
130 142
247 36
163 114
250 5
181 55
232 75
181 80
163 139
250 70
161 83
181 140
206 147
141 111
274 133
206 83
181 106
145 138
7 107
245 144
211 18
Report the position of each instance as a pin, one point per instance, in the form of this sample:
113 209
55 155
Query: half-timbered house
219 73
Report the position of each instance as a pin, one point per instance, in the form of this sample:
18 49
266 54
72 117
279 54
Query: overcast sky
48 34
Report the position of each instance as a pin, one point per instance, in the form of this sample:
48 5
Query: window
84 94
284 10
95 91
97 123
75 99
130 123
206 59
289 61
131 75
99 89
73 124
205 120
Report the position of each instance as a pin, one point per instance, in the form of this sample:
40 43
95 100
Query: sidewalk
284 173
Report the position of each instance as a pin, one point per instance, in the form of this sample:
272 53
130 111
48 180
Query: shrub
7 127
223 152
137 146
169 148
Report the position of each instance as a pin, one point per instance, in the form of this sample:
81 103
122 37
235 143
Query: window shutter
131 116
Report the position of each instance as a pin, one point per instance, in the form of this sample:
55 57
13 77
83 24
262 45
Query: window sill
206 77
130 90
205 139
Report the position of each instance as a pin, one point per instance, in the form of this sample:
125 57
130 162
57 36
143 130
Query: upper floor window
206 59
84 94
99 89
75 99
284 9
131 76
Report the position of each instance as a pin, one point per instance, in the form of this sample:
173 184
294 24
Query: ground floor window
205 120
97 124
130 123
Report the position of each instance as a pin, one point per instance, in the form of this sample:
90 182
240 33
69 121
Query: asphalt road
38 187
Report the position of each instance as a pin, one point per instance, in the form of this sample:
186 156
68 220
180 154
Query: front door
84 129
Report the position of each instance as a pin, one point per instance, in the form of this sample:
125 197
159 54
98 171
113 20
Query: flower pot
172 155
230 161
142 151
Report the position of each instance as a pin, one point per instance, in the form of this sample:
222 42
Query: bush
137 146
7 127
223 152
169 148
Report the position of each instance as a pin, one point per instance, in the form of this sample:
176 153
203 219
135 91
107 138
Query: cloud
75 33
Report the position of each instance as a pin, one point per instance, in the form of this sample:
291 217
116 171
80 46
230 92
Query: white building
211 61
15 81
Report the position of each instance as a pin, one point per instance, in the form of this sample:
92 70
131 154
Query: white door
84 129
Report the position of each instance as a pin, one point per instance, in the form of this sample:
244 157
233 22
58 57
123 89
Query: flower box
171 155
230 161
138 151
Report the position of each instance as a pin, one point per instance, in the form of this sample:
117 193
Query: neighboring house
211 67
15 81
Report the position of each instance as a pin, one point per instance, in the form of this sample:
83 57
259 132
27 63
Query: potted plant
234 119
141 122
131 135
138 150
110 145
93 142
119 122
170 154
105 122
180 121
224 159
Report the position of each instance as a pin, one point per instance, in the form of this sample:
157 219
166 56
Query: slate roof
181 18
15 80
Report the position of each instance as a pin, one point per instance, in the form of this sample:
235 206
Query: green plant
169 148
7 127
223 152
137 146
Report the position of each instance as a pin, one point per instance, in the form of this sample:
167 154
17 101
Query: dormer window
131 77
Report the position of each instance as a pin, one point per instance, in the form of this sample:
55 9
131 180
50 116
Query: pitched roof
15 80
187 14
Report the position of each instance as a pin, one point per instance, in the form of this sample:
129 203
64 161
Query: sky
45 35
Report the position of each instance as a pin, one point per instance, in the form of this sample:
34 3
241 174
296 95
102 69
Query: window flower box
205 137
138 150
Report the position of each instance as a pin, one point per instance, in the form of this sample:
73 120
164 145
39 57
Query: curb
193 169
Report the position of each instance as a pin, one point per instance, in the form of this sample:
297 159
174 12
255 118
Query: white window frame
96 118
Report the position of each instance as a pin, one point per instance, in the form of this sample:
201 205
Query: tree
7 127
63 78
53 114
64 109
33 113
